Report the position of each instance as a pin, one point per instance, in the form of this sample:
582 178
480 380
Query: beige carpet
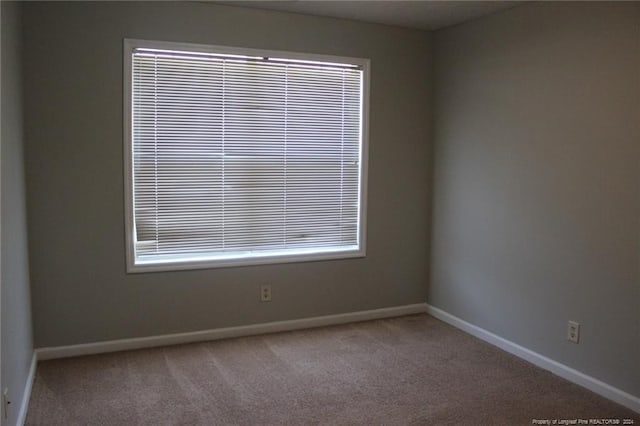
403 371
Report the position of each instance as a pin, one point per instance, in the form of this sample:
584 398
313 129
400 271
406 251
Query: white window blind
243 159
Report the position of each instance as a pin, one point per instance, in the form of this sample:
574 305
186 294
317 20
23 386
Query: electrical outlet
265 293
573 331
5 403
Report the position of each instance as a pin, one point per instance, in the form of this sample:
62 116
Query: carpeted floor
413 370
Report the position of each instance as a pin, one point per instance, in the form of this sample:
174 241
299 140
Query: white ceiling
422 14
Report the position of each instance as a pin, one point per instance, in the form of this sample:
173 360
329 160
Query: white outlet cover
573 331
265 293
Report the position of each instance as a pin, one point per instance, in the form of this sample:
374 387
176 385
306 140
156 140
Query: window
242 156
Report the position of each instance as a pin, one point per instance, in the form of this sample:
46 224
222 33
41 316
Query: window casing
242 156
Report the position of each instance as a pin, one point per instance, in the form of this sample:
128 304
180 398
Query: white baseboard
224 333
568 373
26 395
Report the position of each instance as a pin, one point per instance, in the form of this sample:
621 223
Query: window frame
304 255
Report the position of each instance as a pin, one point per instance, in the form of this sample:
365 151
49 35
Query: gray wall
73 115
17 346
537 201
